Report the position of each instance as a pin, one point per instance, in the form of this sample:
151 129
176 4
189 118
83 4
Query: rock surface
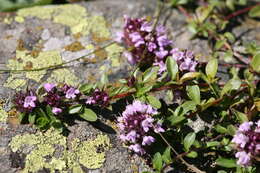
44 36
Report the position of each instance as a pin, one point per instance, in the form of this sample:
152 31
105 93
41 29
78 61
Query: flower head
71 93
98 97
25 102
49 87
247 140
136 126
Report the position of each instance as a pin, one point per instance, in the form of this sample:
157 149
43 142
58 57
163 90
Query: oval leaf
194 93
75 109
212 68
189 140
227 163
256 63
88 115
154 101
189 76
255 12
157 161
172 67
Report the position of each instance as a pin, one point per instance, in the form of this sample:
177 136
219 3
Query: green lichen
3 115
84 153
24 60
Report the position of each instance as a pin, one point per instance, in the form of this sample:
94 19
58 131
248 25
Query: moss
90 153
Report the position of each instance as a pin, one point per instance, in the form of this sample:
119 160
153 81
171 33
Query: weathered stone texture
44 36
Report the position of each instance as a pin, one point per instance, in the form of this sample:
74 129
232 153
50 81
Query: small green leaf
150 74
231 130
227 163
219 44
232 84
189 140
75 109
42 122
192 154
154 101
85 88
88 115
189 76
212 68
212 144
220 129
143 90
240 116
255 12
176 119
172 67
32 118
194 93
230 37
21 117
256 62
157 161
167 155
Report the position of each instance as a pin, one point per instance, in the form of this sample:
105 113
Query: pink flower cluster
136 126
247 139
55 95
98 98
25 102
150 45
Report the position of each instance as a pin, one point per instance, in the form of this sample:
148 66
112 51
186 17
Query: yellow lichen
3 115
72 15
114 54
19 19
90 153
74 47
24 59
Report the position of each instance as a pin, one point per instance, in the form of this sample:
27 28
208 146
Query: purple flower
160 30
137 148
243 158
56 110
147 124
119 37
130 58
161 53
163 41
188 65
29 101
247 140
240 139
147 27
245 126
151 46
99 98
25 102
49 86
136 126
148 140
71 93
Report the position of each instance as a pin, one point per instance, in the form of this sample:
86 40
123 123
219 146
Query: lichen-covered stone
89 153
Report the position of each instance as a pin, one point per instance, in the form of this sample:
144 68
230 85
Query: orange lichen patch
28 65
20 45
8 37
34 53
74 47
13 117
77 36
97 38
101 54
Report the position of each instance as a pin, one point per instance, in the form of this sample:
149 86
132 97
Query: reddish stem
237 13
184 11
